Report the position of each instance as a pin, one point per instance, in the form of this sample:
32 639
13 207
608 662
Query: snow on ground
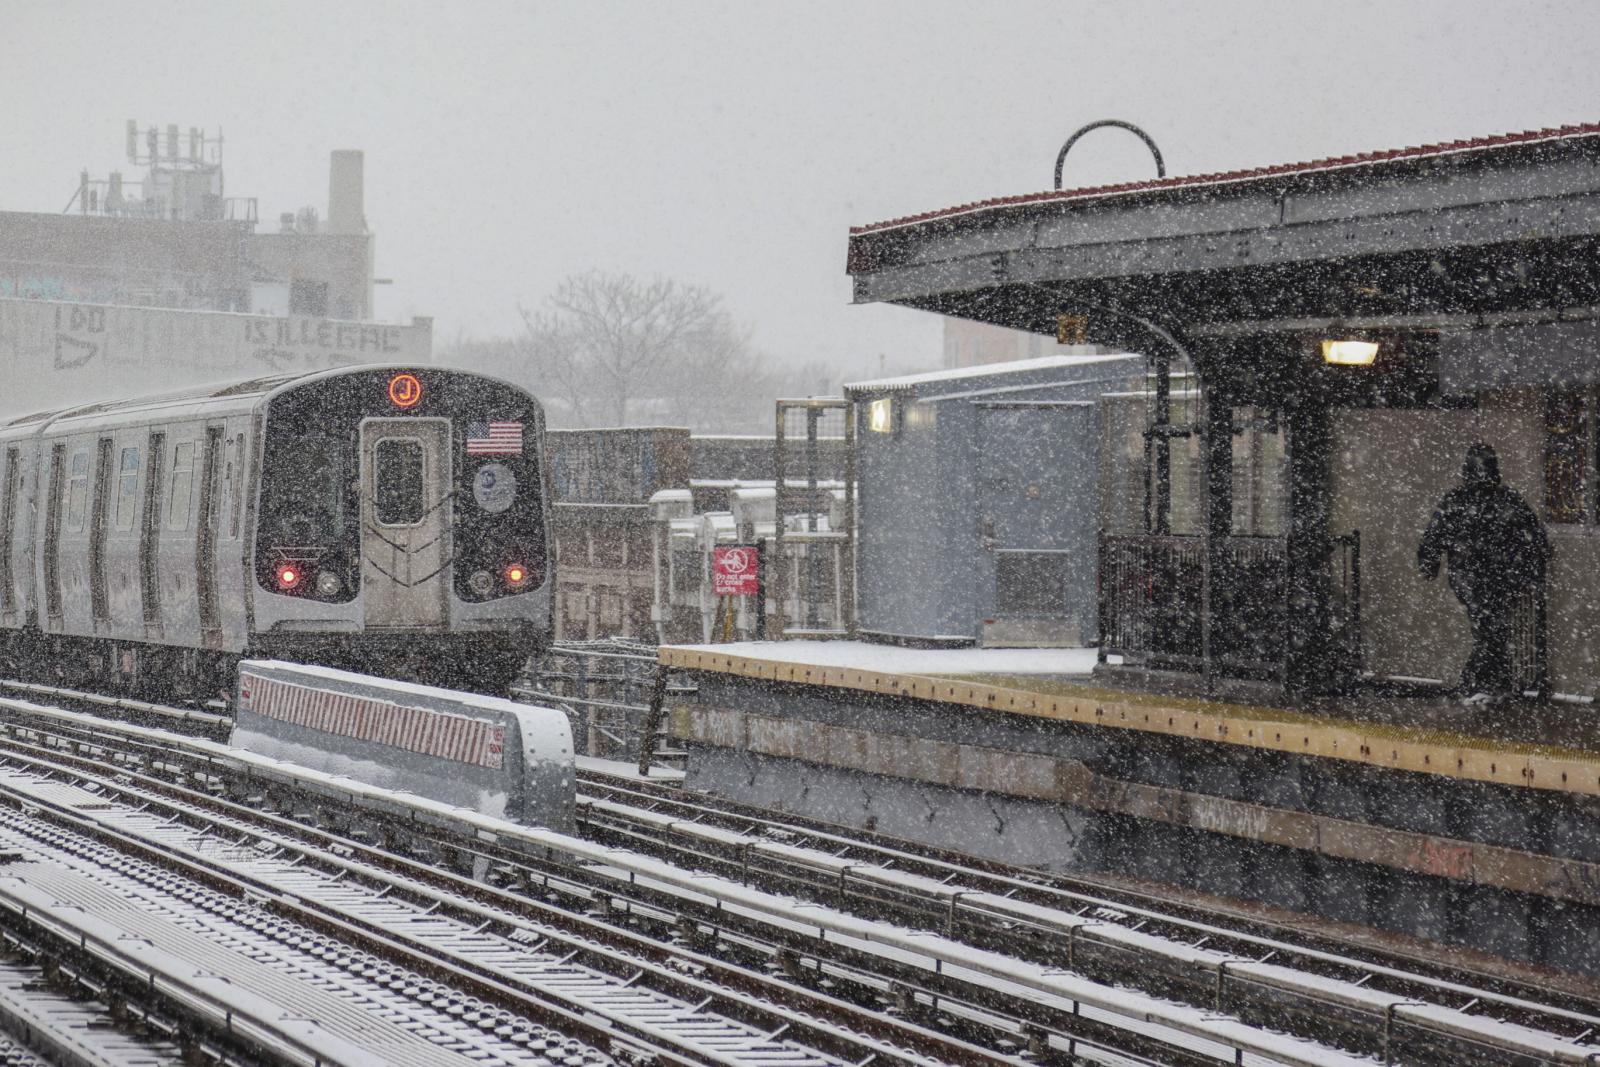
861 655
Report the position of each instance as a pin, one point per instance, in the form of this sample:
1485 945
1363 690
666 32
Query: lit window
880 415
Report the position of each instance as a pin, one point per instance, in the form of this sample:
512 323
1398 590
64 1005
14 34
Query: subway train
392 520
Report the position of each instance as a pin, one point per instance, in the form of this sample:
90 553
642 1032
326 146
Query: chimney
346 212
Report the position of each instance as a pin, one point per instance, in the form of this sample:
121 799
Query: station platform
1468 825
1536 744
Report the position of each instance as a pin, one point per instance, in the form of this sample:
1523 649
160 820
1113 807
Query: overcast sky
732 145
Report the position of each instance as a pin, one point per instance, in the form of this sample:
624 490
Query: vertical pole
813 414
1216 458
1163 442
847 597
761 589
1306 621
780 617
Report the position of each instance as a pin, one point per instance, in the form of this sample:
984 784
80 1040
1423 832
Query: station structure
1269 714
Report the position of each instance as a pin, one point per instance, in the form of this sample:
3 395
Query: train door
205 547
150 536
52 538
8 533
99 599
405 521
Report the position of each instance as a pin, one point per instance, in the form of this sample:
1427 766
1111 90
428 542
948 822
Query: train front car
402 526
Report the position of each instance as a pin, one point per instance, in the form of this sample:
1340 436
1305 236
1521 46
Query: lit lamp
1349 353
880 415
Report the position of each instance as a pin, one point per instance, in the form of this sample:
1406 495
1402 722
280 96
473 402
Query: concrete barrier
492 755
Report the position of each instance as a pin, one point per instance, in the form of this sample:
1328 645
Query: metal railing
607 689
1160 608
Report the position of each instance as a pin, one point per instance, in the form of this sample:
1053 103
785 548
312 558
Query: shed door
405 521
1037 506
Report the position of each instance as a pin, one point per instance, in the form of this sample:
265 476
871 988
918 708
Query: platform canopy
1447 236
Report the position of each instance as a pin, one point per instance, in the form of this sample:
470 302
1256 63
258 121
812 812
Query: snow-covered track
1364 1005
193 721
979 962
615 990
881 972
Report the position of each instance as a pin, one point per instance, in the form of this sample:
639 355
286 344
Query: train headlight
289 576
328 584
516 574
480 582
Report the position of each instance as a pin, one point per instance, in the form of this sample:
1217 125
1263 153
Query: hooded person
1497 552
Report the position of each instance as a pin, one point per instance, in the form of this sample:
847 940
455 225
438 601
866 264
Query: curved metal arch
1061 157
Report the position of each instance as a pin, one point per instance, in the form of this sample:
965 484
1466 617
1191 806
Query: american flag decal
494 438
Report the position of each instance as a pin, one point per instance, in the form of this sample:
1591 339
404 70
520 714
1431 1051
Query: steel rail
1270 980
659 963
951 976
603 1028
1243 926
1100 944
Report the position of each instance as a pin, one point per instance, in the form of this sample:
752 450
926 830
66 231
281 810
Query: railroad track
260 878
826 863
866 977
924 950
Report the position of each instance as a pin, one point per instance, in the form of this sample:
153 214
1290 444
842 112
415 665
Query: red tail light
516 574
289 576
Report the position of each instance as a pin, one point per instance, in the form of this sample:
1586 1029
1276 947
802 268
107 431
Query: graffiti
1443 861
56 288
72 348
324 334
1576 881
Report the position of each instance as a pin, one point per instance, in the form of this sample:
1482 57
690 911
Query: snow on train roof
246 391
209 391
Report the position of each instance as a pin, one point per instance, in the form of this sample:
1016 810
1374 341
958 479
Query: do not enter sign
734 570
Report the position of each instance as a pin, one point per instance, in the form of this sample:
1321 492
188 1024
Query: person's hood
1482 466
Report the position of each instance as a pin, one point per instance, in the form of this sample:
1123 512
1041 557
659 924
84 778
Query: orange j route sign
405 390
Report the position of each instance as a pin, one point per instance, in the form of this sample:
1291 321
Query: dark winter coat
1495 543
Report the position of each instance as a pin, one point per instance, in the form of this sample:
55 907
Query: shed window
78 491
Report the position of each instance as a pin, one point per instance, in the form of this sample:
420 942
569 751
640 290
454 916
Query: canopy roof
1466 233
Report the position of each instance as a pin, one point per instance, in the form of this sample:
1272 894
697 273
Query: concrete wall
59 354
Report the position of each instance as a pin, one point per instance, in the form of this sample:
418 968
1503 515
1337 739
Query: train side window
226 487
182 481
238 484
127 511
78 492
398 495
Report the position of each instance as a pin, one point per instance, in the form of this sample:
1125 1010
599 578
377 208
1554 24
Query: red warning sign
735 570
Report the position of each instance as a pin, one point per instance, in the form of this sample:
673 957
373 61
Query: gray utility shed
978 500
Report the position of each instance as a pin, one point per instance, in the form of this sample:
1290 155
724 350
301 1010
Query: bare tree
610 342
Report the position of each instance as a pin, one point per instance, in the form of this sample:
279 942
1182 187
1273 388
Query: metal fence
806 581
606 688
1154 597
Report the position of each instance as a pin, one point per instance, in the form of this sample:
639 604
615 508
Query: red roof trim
1364 159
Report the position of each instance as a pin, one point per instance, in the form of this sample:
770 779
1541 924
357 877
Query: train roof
252 387
214 396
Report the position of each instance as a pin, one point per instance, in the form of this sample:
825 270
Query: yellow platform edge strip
1393 747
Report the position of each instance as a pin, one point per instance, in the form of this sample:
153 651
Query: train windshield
310 497
400 482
